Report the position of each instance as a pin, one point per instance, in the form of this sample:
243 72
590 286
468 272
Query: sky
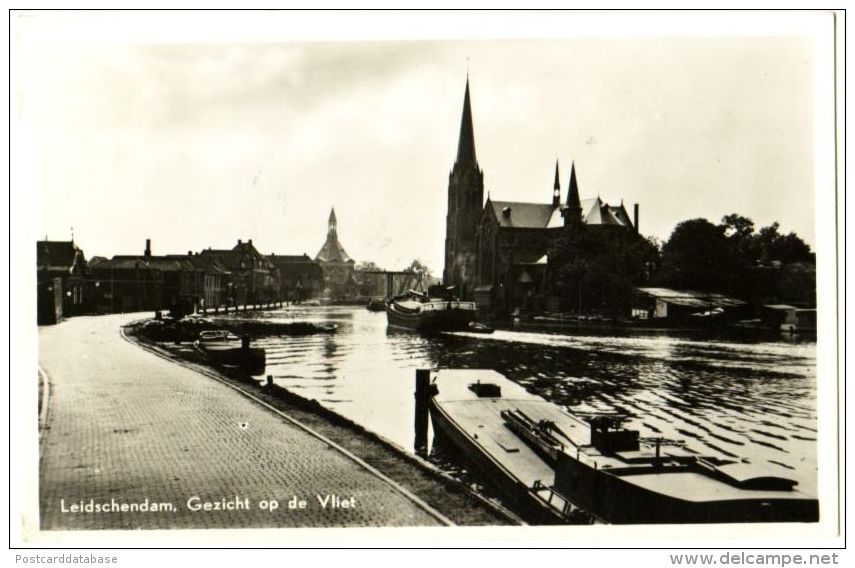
197 144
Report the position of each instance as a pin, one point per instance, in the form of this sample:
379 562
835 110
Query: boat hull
252 359
450 319
618 500
540 456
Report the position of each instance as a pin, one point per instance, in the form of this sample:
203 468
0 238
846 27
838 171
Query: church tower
465 203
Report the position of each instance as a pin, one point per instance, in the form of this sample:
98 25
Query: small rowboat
218 340
477 327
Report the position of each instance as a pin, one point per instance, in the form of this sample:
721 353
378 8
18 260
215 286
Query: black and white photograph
558 274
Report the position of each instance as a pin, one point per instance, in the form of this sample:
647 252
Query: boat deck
480 419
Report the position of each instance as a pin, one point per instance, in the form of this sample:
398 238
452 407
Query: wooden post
421 416
270 380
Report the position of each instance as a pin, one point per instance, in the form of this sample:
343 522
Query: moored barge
420 312
551 464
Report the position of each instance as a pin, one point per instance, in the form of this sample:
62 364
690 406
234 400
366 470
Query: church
337 265
496 252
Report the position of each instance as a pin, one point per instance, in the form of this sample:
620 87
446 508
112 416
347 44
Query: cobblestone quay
133 441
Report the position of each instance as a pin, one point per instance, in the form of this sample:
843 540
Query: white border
235 26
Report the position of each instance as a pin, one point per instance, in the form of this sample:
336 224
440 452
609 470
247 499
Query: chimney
147 248
240 242
635 215
189 253
250 242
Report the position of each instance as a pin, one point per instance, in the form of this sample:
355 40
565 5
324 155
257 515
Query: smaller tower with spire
332 251
573 211
556 188
336 264
332 229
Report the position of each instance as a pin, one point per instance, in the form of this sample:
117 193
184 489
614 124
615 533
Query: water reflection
745 397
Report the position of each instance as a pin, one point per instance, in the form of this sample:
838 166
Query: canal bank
136 441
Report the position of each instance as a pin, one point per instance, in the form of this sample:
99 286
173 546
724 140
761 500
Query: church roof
521 215
596 212
332 251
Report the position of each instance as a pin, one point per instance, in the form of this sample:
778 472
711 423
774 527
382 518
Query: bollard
421 418
270 380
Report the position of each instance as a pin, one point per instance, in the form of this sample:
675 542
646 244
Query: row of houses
70 285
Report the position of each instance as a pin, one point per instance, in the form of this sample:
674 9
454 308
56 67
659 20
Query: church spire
331 228
466 143
573 212
556 188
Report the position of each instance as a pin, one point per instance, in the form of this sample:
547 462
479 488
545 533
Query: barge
420 312
555 466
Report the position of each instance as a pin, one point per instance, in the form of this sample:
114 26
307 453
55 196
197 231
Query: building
496 252
251 276
60 276
339 282
686 306
216 278
125 284
299 277
210 279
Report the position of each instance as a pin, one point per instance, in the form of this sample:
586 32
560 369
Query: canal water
747 398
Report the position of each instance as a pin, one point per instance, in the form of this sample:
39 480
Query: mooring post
270 380
421 419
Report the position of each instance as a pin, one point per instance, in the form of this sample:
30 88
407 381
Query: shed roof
693 298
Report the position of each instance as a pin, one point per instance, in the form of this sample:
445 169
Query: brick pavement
127 428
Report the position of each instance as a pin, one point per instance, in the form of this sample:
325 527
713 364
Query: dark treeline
597 267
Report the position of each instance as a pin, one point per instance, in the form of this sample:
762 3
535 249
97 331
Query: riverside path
133 441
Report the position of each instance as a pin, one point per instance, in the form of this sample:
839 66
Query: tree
739 232
772 245
421 272
596 268
791 248
367 266
733 258
698 256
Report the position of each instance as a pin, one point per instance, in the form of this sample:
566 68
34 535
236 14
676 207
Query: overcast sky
197 145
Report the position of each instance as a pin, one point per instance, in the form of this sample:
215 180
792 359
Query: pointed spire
573 201
332 222
556 188
557 184
573 212
466 143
